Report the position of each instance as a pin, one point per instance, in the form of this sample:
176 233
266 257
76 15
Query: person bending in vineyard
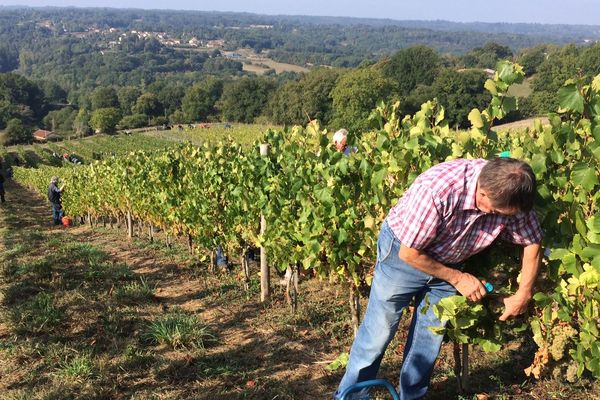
54 196
451 211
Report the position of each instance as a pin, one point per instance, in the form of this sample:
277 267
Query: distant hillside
507 33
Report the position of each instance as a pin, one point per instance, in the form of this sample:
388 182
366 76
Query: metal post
265 289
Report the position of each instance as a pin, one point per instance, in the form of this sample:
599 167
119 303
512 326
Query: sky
531 11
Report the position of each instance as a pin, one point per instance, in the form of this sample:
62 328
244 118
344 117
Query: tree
104 97
148 104
20 98
177 117
60 120
127 96
81 124
298 101
487 56
53 92
220 65
412 66
245 99
551 76
16 132
531 59
169 96
356 94
9 58
199 101
590 60
105 119
134 121
285 105
459 93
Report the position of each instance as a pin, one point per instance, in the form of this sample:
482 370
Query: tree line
70 85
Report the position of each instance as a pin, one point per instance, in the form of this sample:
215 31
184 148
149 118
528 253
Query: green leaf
509 73
579 220
584 175
593 223
509 104
342 236
489 346
377 177
490 85
324 196
475 118
538 164
590 252
569 263
596 83
570 99
595 149
340 362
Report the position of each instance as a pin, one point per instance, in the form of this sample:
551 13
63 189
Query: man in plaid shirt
451 212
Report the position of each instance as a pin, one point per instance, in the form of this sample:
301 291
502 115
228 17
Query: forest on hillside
77 71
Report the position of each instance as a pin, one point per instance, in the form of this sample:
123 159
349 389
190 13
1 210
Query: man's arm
466 284
517 303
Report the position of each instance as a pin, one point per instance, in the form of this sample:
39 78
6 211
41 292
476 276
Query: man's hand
470 287
514 305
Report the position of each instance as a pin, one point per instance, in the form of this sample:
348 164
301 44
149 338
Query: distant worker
340 141
54 196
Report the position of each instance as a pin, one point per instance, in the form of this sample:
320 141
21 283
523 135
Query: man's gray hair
510 183
54 179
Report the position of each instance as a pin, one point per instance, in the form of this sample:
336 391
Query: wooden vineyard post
129 225
265 290
465 366
461 365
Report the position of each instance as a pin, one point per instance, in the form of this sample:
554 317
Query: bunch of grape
560 337
571 374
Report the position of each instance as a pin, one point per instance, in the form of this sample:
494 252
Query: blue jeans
395 284
221 257
57 213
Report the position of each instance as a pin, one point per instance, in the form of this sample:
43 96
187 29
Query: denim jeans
221 257
57 213
395 284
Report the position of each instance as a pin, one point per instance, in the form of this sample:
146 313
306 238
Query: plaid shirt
438 215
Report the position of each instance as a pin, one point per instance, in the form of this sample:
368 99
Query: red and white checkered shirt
438 215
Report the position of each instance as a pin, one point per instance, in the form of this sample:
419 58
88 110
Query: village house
42 135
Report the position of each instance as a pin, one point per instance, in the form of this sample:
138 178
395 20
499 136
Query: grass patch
35 236
136 358
16 251
55 242
178 330
18 293
38 270
84 252
38 315
78 368
108 272
135 292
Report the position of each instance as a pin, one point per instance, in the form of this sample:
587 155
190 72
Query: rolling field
99 146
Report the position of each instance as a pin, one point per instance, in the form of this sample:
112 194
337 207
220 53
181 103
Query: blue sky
535 11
